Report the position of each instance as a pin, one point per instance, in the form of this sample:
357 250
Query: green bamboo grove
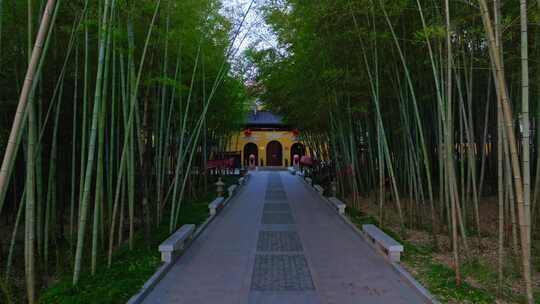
107 109
426 112
423 113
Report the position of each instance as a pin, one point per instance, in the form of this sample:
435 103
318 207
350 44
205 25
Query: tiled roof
264 118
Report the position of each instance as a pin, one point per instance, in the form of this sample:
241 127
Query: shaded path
278 242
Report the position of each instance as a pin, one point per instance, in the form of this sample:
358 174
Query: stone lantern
220 187
333 188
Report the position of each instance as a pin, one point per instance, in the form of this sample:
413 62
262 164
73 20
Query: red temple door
274 154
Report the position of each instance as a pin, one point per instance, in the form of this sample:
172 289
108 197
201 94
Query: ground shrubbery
130 269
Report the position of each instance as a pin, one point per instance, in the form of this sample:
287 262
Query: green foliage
6 295
319 65
194 25
441 281
114 285
359 218
129 271
431 32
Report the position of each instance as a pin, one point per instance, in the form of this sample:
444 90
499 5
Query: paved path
278 242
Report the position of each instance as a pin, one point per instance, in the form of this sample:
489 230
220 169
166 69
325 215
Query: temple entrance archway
274 154
297 149
249 150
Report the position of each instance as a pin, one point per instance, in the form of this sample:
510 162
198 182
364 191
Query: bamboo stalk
30 216
123 157
500 198
12 145
9 260
449 159
425 157
91 145
523 208
525 140
52 179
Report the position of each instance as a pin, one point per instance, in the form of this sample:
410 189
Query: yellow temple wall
261 138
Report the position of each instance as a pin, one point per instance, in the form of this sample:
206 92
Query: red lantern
296 132
247 132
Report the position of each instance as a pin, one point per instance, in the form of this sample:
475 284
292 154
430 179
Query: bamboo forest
137 139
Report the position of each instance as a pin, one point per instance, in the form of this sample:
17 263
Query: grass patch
6 294
359 218
440 280
129 271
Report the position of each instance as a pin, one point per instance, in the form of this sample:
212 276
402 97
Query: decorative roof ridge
264 117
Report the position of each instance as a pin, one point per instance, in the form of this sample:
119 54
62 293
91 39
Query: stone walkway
278 242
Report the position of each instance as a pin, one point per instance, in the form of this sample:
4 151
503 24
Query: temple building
265 141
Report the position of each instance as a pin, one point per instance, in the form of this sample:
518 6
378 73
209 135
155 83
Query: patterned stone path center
277 219
281 272
276 207
275 196
280 265
279 241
